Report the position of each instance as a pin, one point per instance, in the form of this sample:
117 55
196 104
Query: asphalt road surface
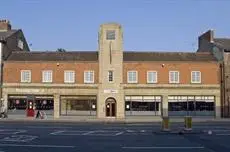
98 137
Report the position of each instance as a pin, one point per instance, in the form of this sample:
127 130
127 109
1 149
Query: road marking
130 130
19 138
87 133
47 127
119 133
57 132
68 133
163 147
38 146
11 131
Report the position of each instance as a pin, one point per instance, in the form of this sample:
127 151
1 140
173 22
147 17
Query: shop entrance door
110 104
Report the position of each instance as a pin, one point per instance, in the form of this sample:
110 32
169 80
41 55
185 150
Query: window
132 77
195 77
142 105
173 77
89 77
47 76
20 44
151 77
110 76
191 105
26 76
69 77
110 35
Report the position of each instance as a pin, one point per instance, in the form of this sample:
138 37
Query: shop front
143 105
191 106
29 104
78 105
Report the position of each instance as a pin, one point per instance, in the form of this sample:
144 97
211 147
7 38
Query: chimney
206 38
5 25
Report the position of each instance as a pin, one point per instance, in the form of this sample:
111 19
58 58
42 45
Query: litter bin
187 123
165 124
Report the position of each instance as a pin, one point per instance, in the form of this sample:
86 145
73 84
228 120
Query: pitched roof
53 56
168 56
223 42
6 34
93 56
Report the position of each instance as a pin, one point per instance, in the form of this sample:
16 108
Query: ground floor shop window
191 105
142 105
78 105
18 104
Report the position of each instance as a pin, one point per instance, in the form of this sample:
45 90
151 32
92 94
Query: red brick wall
12 70
209 71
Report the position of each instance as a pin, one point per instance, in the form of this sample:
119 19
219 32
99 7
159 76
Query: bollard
165 124
188 123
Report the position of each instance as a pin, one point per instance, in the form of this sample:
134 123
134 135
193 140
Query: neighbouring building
113 83
10 40
220 48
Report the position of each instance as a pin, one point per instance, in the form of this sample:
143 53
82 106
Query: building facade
220 49
10 40
113 83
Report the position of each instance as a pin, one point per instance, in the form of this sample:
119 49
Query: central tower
110 92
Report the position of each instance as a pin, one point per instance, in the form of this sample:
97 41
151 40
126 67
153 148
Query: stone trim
169 86
45 85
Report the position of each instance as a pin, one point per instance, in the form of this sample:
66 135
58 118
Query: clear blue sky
149 25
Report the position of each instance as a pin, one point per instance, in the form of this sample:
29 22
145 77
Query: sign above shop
110 91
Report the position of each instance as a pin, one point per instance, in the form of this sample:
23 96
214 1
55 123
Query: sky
148 25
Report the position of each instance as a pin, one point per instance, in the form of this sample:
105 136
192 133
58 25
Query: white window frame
192 81
172 81
65 76
129 81
148 81
23 80
46 78
88 76
112 76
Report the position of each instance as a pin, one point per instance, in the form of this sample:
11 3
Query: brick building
113 83
10 40
220 48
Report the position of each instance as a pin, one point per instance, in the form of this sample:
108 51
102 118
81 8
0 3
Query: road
98 137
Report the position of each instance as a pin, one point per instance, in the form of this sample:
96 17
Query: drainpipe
222 82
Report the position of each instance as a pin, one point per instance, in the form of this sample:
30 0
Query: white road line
43 127
163 147
119 133
19 138
57 132
130 130
69 133
90 132
11 131
38 146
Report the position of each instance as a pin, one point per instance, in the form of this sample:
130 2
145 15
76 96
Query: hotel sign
110 91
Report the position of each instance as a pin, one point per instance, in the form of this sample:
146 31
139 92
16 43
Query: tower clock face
110 35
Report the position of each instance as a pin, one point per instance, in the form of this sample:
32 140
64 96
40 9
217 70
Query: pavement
131 137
